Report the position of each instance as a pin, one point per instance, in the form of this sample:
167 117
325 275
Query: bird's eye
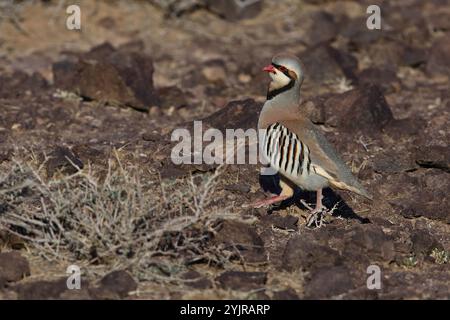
282 69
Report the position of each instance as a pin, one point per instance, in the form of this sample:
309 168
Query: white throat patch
279 80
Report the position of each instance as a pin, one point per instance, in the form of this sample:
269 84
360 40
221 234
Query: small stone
63 159
243 281
434 157
328 282
18 83
438 61
238 188
243 237
371 240
244 78
40 290
119 282
424 243
13 267
214 73
304 253
287 294
154 111
233 10
384 78
285 223
385 163
320 26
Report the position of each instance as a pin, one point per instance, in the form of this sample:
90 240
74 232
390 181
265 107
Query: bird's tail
356 187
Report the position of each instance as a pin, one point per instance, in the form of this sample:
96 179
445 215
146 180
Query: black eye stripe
282 69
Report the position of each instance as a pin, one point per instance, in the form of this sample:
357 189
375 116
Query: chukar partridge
293 145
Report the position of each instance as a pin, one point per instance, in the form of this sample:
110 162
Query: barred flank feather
285 151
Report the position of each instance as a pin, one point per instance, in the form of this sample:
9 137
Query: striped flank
285 151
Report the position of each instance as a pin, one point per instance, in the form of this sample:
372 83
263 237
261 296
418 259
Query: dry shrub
121 219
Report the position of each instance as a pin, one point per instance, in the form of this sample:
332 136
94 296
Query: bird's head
286 72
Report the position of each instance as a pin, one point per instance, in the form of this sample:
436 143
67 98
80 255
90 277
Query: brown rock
240 280
384 78
99 52
103 293
423 242
240 188
319 27
434 157
172 171
414 56
356 31
40 290
386 53
3 282
17 84
78 294
174 9
240 114
439 21
287 294
412 285
362 109
172 97
90 153
372 241
243 237
389 162
63 159
329 281
438 61
405 127
303 253
119 282
107 74
286 223
325 63
107 23
214 71
13 267
233 10
427 197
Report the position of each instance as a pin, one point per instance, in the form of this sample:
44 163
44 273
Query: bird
296 148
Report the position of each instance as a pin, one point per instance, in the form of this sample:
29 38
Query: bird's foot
316 217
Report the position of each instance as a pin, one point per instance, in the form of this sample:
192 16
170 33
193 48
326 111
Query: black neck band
273 93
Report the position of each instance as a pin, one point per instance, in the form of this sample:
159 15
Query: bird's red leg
286 193
319 198
269 201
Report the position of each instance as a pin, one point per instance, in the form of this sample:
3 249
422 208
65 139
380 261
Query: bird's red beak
270 68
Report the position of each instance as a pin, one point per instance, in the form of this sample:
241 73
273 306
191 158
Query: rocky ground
85 170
